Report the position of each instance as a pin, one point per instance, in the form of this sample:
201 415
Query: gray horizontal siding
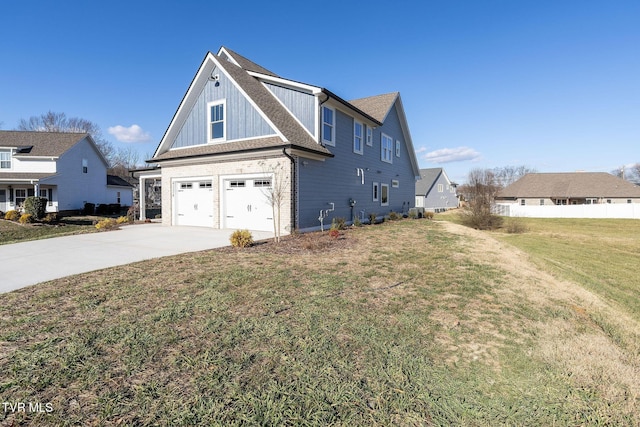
243 120
301 105
444 200
335 180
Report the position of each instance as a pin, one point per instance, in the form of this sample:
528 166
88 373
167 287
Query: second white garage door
245 204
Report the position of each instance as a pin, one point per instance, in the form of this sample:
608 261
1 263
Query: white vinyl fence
605 210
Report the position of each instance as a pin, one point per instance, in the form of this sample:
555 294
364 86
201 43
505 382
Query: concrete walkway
37 261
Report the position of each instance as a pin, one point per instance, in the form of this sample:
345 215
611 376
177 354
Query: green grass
395 324
13 232
602 255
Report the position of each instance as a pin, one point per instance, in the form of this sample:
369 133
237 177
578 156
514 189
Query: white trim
397 148
10 152
369 136
291 113
362 133
314 90
331 142
395 183
210 138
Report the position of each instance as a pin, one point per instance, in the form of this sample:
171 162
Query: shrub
26 218
89 209
107 224
50 218
394 216
131 213
516 226
372 217
241 239
36 206
122 220
413 214
12 215
339 222
429 215
357 222
334 233
481 219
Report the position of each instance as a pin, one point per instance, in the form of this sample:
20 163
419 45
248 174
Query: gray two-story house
243 134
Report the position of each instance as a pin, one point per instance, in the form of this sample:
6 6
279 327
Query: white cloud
449 155
133 133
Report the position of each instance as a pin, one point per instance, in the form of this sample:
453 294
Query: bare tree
507 175
124 160
479 192
276 193
58 122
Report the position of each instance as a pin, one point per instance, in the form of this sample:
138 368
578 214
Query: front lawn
13 232
402 323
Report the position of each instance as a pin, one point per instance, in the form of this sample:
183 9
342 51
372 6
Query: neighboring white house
242 131
65 168
434 191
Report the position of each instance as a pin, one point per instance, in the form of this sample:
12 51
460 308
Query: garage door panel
246 205
194 203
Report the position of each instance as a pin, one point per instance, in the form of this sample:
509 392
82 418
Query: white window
369 136
386 148
328 126
186 186
262 183
357 137
5 159
236 184
85 166
376 191
118 197
205 184
440 188
397 148
541 202
395 183
217 121
523 202
384 194
20 196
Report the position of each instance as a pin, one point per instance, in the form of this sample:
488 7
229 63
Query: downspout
294 172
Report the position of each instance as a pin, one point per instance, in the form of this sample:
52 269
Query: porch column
142 195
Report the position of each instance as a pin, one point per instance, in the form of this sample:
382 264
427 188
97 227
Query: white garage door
194 203
246 206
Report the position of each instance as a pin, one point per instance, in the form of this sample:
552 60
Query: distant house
579 188
241 130
65 168
434 191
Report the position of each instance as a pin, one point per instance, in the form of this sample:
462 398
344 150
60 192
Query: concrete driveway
37 261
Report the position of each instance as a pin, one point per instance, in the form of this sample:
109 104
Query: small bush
516 226
429 215
131 213
357 222
122 220
413 214
372 217
50 218
394 216
241 239
340 223
26 218
107 224
12 215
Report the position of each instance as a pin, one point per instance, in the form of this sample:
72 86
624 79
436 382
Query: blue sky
553 85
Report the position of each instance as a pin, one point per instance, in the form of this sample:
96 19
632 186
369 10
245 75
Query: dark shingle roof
376 106
248 64
567 185
44 144
23 176
117 181
428 178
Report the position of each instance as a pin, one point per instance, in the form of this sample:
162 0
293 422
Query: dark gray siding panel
445 200
336 179
301 105
243 120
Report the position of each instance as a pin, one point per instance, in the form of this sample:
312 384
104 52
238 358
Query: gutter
294 173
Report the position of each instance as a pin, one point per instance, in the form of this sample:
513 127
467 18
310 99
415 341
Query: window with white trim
386 148
397 148
395 183
266 183
217 121
5 159
384 194
440 188
118 197
523 202
357 137
20 196
85 166
376 191
369 136
328 125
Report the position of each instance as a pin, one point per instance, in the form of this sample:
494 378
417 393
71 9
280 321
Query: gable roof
428 178
243 62
43 144
568 185
377 106
117 181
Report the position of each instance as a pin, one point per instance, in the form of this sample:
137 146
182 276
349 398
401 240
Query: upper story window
440 188
5 159
85 166
217 118
386 149
357 137
328 126
369 136
397 148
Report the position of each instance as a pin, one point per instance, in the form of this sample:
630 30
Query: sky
551 85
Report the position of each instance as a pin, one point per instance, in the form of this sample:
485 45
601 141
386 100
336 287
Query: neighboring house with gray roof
434 191
65 168
240 130
579 188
